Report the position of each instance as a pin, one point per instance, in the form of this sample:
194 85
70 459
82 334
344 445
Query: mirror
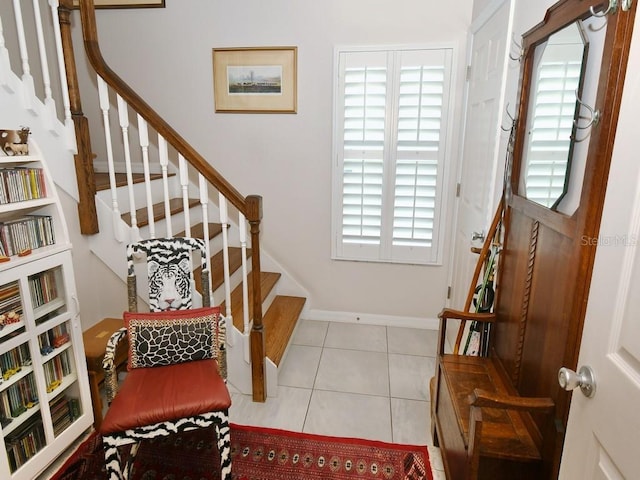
552 120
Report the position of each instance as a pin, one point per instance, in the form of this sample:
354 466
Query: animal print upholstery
169 270
165 338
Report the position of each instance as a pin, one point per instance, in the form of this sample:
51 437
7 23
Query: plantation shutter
391 114
420 148
365 98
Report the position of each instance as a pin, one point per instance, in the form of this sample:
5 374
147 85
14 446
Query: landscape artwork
255 80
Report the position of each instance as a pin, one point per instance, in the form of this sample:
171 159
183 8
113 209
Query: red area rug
258 454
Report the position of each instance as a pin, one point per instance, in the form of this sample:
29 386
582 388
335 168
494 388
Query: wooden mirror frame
609 95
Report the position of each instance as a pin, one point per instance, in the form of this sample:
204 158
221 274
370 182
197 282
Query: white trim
371 319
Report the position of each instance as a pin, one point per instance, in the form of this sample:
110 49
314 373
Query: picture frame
255 79
124 3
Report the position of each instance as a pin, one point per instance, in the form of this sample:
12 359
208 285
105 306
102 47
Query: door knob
585 379
477 236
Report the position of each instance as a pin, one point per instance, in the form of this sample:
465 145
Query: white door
603 432
482 133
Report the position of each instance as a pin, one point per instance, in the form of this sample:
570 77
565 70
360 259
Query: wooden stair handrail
90 37
250 207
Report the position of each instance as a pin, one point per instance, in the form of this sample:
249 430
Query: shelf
19 420
15 378
48 307
26 205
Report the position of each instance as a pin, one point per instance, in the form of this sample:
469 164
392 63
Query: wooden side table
95 341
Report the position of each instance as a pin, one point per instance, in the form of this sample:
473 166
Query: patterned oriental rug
258 454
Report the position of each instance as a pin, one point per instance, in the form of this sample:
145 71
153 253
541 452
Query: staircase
282 311
133 198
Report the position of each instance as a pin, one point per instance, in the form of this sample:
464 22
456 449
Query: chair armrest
447 313
481 398
108 363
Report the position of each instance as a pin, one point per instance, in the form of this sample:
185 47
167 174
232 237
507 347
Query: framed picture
123 3
255 80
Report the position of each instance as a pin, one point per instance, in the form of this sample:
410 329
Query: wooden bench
484 428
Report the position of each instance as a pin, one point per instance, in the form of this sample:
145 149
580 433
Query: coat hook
593 121
595 114
613 7
626 5
519 47
511 117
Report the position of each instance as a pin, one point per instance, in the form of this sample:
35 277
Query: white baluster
184 184
103 94
44 66
224 220
123 116
242 223
143 137
164 165
204 203
27 79
5 64
66 103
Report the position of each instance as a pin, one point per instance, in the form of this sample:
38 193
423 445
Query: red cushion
159 394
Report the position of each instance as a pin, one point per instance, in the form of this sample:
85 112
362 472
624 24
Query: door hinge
458 190
449 292
468 72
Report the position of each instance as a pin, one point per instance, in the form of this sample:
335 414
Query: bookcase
44 392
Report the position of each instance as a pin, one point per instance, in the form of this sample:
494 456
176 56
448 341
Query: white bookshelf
45 402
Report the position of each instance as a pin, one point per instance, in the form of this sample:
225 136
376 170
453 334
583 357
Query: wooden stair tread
268 281
216 265
175 206
279 322
197 230
102 179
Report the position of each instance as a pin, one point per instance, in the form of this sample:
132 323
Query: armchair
176 378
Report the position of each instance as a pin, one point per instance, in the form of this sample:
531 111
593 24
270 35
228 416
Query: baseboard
371 319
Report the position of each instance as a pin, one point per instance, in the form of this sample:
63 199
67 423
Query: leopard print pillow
164 338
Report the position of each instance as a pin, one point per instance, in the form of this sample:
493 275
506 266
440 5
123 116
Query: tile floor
349 380
352 380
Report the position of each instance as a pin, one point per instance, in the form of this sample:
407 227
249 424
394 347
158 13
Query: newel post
84 158
257 337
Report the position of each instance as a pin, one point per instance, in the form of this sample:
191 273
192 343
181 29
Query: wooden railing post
84 158
257 337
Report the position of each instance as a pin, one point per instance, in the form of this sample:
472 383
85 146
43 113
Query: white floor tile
412 341
300 367
371 338
349 415
410 422
310 332
286 411
353 371
435 458
409 376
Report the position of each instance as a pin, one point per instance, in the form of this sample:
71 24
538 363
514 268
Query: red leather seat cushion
159 394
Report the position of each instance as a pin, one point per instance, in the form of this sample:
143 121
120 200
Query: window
391 117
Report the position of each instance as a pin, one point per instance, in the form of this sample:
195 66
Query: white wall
165 54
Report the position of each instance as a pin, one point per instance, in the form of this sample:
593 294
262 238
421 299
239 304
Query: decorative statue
15 142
